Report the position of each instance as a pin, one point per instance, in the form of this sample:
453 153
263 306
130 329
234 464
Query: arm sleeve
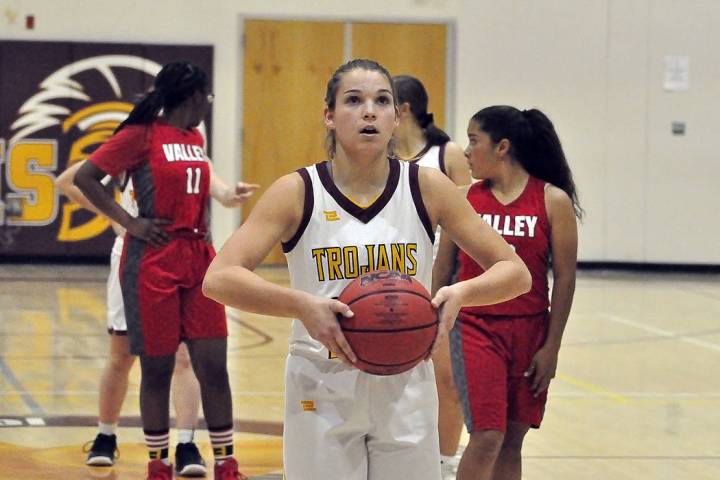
123 151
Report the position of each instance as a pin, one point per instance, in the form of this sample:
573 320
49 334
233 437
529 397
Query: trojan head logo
79 106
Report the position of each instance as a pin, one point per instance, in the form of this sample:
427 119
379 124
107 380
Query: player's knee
182 360
485 443
156 370
211 371
513 440
121 364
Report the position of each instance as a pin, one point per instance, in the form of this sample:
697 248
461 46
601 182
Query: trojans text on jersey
337 263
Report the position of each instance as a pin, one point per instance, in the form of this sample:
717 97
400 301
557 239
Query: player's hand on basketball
321 322
447 303
237 194
542 370
150 230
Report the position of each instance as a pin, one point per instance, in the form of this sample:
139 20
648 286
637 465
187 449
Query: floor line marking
27 398
659 331
590 387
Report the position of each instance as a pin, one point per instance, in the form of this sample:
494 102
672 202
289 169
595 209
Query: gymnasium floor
637 394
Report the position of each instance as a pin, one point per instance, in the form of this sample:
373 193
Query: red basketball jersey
524 225
169 171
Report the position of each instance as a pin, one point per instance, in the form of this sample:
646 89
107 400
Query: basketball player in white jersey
417 139
114 380
358 211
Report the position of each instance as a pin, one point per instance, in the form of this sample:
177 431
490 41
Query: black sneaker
103 451
188 461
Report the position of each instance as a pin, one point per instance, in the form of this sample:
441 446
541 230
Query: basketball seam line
395 330
419 357
384 292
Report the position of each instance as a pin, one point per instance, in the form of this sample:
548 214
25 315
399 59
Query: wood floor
637 394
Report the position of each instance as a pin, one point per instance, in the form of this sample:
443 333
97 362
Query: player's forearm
243 289
96 194
73 193
442 270
503 281
563 291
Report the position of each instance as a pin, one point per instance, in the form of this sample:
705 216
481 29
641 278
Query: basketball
394 325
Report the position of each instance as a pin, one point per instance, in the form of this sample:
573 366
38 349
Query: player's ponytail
410 90
174 84
145 111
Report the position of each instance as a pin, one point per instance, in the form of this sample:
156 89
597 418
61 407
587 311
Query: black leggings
209 360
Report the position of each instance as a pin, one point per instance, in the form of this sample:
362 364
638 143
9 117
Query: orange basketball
394 325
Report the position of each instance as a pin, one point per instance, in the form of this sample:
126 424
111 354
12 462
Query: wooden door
286 68
408 49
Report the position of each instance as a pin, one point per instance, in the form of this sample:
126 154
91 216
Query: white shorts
344 423
116 323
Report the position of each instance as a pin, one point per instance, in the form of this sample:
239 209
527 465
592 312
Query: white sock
185 435
445 458
107 428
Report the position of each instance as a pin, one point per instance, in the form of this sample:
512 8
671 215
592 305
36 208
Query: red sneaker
157 470
228 470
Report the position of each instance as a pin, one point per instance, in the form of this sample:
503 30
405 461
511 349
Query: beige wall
594 66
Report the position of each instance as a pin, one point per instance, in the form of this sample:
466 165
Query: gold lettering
318 254
352 264
398 256
382 262
370 258
334 256
412 262
30 167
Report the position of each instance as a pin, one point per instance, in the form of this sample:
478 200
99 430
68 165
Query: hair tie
427 120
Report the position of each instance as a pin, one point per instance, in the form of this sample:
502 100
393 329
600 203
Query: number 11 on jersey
193 180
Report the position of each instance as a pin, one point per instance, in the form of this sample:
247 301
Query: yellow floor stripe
590 387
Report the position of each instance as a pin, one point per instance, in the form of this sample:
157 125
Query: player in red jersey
185 390
505 355
166 254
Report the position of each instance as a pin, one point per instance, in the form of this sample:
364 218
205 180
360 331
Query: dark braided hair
410 90
334 83
533 142
175 83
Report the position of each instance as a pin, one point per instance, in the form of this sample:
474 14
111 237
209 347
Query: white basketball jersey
433 157
127 201
338 240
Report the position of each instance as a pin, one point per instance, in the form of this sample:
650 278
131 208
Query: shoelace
88 446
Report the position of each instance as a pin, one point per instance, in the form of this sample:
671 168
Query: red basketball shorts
162 292
490 355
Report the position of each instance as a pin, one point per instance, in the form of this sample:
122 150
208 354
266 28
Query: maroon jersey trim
418 201
307 211
441 159
362 214
418 156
